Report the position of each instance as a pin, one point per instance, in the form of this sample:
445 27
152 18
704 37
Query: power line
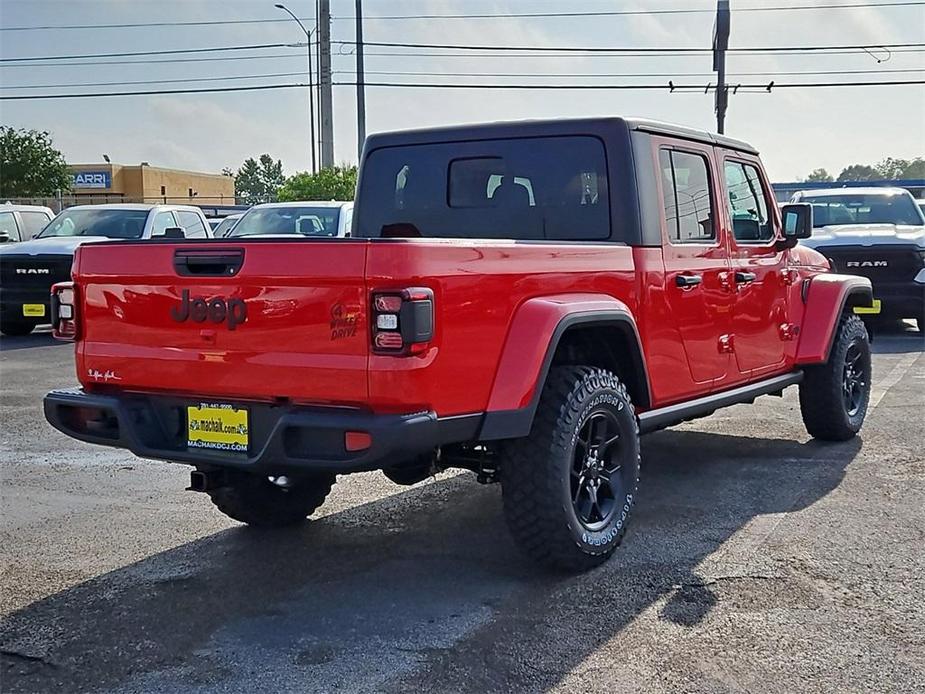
504 50
167 81
151 92
135 25
606 13
154 62
638 49
396 54
407 85
623 13
624 74
548 75
167 52
678 87
668 53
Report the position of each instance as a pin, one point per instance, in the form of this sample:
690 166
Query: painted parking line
891 379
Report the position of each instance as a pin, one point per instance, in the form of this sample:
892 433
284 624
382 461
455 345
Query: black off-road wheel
266 502
834 395
569 487
16 328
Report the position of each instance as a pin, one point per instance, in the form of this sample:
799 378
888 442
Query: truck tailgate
253 319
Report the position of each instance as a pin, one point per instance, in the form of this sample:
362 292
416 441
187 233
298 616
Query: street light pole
361 87
311 82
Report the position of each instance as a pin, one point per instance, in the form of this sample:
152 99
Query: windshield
114 224
226 225
306 221
864 209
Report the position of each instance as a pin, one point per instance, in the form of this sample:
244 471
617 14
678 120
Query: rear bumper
282 438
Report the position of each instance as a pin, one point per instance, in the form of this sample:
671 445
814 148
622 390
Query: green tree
858 172
259 181
916 169
335 183
820 175
30 166
892 168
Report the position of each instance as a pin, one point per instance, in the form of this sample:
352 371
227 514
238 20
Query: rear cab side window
32 222
191 224
542 188
162 222
687 198
8 226
747 201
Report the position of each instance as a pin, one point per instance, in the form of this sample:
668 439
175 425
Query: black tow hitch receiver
206 480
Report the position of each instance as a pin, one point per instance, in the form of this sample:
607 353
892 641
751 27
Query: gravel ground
757 561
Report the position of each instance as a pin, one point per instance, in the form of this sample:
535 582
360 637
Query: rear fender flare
536 331
826 296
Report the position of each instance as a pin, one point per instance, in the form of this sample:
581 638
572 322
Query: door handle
745 277
687 280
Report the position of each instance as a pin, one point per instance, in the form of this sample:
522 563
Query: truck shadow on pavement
36 339
895 337
421 590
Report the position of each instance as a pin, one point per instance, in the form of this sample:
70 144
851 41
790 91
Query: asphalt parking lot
757 561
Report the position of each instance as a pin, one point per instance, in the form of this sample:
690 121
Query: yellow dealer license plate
33 310
217 426
875 308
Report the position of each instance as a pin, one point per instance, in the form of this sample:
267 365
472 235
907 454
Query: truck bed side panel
477 288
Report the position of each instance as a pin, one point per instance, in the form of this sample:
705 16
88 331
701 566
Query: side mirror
173 233
5 237
797 218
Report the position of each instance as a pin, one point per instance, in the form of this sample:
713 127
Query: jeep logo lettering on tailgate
217 310
866 263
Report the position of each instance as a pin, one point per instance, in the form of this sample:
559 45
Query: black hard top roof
558 126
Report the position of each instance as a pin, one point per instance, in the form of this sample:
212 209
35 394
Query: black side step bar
701 407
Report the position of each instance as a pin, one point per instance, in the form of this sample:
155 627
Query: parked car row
44 246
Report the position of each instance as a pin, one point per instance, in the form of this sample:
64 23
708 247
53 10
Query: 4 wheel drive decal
343 321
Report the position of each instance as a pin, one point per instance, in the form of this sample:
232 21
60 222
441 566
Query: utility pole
720 44
327 114
361 88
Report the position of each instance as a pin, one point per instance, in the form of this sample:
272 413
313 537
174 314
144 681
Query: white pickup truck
878 233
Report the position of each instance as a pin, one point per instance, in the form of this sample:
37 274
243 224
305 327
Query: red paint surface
496 304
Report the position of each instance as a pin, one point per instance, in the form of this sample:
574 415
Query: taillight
64 311
402 320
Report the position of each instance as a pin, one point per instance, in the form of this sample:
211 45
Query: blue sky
796 130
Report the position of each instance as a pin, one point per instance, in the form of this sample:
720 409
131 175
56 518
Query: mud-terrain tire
834 395
255 500
16 328
568 488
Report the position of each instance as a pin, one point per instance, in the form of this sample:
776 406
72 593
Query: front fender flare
536 329
826 296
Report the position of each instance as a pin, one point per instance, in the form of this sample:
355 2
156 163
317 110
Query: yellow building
101 183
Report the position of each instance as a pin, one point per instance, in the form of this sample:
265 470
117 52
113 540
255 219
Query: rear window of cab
542 188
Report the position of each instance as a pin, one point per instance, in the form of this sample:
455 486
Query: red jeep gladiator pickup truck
517 299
